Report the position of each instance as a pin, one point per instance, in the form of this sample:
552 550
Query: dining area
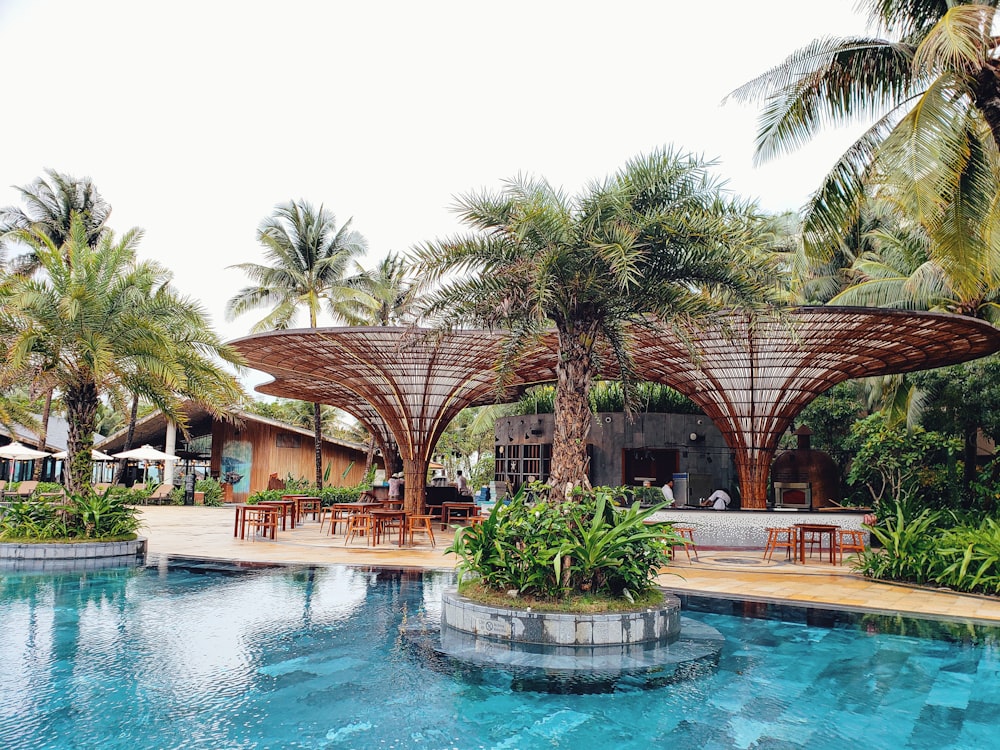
827 542
370 522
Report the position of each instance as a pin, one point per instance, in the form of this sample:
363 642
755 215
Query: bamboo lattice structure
750 376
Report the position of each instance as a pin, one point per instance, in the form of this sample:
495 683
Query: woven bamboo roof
750 380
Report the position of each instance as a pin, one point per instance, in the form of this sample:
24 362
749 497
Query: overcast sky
195 118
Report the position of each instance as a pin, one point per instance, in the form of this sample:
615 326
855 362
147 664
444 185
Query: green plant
211 489
90 515
548 549
908 542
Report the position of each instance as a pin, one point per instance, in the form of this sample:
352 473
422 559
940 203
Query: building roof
56 439
151 429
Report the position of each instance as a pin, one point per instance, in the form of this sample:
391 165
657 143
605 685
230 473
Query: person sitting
718 500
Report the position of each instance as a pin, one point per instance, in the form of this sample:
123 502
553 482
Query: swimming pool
201 655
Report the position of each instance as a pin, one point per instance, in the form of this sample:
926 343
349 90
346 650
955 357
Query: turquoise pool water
185 655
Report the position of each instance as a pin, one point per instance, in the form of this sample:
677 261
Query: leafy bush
212 490
266 496
331 495
90 516
547 549
933 547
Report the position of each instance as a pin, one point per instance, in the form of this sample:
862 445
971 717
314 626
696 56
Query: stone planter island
558 651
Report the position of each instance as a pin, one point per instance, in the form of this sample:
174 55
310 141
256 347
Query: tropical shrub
330 495
920 545
211 489
549 550
899 465
87 516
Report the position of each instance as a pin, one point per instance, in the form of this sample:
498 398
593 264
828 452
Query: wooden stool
423 524
780 538
686 532
850 539
359 524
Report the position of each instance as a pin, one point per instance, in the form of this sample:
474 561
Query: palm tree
658 237
99 322
933 87
50 206
308 260
390 293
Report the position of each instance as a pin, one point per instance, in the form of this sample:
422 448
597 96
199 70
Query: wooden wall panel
285 452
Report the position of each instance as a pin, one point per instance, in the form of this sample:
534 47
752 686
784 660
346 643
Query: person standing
463 484
668 492
395 487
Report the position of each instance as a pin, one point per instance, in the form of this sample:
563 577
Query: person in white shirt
668 492
718 500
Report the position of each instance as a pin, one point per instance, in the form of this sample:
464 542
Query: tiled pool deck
195 531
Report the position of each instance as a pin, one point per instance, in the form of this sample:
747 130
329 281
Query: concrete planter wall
658 625
82 556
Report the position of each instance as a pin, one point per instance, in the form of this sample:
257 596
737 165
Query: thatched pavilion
751 376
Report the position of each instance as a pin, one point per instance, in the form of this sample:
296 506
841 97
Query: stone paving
195 531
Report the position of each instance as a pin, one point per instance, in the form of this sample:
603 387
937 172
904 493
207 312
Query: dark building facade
651 447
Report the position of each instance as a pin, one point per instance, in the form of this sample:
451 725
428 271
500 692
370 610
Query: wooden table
383 516
447 509
817 528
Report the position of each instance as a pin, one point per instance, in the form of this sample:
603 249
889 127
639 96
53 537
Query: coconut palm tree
658 237
390 292
99 322
932 86
308 259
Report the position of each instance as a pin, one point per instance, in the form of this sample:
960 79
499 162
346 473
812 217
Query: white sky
195 118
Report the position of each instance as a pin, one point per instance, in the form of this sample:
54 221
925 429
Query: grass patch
586 604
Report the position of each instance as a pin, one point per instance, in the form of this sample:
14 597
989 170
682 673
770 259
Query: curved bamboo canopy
751 376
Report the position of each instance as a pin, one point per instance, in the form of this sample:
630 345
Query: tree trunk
81 413
129 437
318 436
987 96
43 434
574 374
969 458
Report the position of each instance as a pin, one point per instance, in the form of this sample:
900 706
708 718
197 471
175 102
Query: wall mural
237 456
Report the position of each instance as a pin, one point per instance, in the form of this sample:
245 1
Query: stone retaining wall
82 556
558 629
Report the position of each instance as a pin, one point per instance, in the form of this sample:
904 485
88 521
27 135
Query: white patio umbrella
146 453
95 455
19 452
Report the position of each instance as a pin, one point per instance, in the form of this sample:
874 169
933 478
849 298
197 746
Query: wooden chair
850 539
339 514
309 506
686 533
421 524
780 538
262 520
359 524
